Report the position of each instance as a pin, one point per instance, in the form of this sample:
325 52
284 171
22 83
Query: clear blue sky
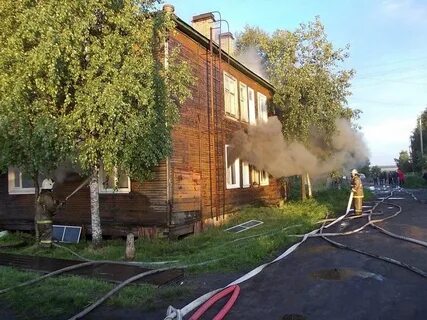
388 50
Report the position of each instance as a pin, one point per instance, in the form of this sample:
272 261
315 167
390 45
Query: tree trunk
303 190
36 196
310 193
94 209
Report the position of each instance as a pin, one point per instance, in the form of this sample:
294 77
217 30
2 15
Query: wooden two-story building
200 182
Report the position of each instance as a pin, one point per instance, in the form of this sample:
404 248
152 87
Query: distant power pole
421 140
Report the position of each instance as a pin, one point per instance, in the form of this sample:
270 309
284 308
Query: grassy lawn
225 252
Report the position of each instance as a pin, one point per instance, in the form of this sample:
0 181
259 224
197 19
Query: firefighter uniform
357 188
46 208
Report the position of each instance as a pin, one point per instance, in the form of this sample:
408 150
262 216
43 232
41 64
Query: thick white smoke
251 60
264 146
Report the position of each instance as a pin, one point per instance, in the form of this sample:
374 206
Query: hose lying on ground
383 258
178 314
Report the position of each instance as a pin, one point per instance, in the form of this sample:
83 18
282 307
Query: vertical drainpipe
169 9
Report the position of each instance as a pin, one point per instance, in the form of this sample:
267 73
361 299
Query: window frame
262 107
241 102
11 183
264 179
236 166
251 106
246 175
103 190
227 108
255 181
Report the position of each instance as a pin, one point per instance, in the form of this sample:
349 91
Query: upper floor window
232 170
19 183
243 94
115 182
230 96
262 108
251 105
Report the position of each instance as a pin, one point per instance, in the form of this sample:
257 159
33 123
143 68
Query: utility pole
421 142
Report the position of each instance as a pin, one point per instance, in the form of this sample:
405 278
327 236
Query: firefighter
357 188
47 206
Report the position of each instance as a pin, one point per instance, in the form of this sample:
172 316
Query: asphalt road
320 281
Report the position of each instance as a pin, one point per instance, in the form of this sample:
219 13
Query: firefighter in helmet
47 205
357 188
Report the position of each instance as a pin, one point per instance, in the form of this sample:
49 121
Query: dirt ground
319 281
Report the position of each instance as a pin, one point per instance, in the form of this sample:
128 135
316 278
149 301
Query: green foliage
419 161
88 76
414 181
310 88
30 91
375 171
404 161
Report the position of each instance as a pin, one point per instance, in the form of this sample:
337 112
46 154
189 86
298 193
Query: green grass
415 182
64 296
225 251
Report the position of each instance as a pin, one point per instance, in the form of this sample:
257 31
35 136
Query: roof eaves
201 39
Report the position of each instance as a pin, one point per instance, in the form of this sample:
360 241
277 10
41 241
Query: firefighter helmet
354 172
47 184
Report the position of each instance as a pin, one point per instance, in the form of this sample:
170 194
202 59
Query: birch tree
311 86
115 101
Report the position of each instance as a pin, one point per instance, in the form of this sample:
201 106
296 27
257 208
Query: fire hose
178 314
77 189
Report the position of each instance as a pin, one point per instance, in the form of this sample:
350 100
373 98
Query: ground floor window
264 181
19 182
232 169
245 174
114 182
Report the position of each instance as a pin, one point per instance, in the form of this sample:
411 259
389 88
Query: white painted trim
17 190
246 183
103 190
236 165
251 106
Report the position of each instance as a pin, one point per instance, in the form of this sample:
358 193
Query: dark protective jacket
357 187
46 205
46 208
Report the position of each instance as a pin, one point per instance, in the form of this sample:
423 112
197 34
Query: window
264 178
243 94
20 183
116 182
251 103
245 174
230 95
262 108
232 169
255 176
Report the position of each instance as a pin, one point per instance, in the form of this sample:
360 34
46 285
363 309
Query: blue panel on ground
58 231
72 234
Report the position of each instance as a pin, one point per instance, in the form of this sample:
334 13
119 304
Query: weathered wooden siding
200 137
196 169
145 206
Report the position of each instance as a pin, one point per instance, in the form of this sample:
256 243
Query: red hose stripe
213 300
223 312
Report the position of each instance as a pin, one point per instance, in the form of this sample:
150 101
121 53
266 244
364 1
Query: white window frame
102 189
251 105
243 102
262 107
20 189
264 178
246 182
231 91
255 181
236 167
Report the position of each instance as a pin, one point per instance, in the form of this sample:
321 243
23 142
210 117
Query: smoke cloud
252 61
264 146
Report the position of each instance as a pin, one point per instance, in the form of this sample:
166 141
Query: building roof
184 27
